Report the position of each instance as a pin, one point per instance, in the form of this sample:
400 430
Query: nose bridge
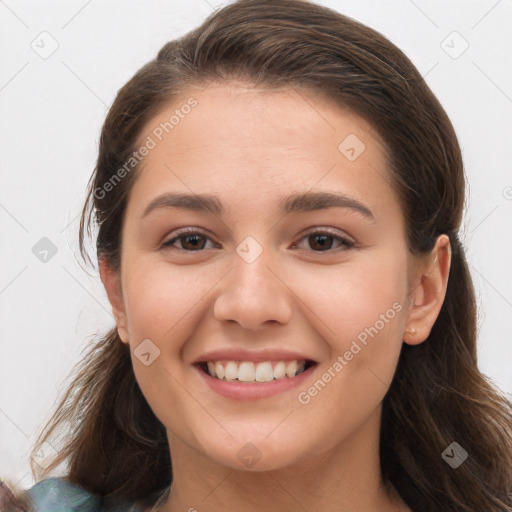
253 279
252 267
253 294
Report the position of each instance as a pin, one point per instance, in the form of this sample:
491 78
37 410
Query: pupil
322 244
195 238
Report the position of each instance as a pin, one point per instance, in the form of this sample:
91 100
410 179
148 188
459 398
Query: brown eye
319 241
191 241
323 241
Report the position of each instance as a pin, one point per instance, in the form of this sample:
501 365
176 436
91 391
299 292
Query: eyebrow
296 203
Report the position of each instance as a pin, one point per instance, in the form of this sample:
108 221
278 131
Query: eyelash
347 243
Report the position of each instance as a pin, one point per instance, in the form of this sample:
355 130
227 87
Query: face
266 276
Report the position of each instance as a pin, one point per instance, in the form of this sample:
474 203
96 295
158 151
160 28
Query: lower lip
253 390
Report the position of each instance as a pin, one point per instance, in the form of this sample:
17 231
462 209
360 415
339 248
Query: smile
248 371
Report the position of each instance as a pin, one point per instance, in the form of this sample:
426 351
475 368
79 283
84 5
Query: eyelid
345 239
331 231
177 234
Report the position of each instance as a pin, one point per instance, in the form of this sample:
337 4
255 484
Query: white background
51 113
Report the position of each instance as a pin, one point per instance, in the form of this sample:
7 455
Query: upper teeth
247 371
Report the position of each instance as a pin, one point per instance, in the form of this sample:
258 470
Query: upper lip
256 356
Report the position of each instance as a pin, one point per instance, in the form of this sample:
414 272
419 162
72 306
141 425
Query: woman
278 197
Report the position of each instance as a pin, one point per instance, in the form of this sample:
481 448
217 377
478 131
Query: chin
256 455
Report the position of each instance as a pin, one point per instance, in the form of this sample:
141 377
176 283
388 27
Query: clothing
59 495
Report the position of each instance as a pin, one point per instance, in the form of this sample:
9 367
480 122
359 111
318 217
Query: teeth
279 370
264 372
219 370
291 369
231 371
247 371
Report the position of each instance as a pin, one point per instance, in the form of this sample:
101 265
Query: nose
255 294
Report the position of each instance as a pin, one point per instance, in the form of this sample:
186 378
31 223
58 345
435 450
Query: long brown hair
115 446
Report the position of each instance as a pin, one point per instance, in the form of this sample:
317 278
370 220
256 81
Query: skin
251 147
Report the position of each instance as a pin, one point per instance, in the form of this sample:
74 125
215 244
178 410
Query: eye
190 241
322 241
195 241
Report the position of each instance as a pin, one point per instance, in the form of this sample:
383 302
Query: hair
115 445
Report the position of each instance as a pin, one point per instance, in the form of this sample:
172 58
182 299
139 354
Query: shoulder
59 495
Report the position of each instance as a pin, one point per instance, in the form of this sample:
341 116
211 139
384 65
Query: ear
428 291
112 283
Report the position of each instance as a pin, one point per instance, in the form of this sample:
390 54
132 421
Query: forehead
250 144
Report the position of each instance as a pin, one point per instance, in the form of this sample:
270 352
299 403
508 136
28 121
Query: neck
346 478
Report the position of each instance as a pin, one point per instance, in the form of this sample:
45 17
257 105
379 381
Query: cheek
351 297
361 313
361 319
159 299
162 305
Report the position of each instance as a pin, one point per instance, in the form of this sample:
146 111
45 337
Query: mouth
255 372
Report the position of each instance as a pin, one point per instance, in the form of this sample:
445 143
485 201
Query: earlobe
429 291
111 282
